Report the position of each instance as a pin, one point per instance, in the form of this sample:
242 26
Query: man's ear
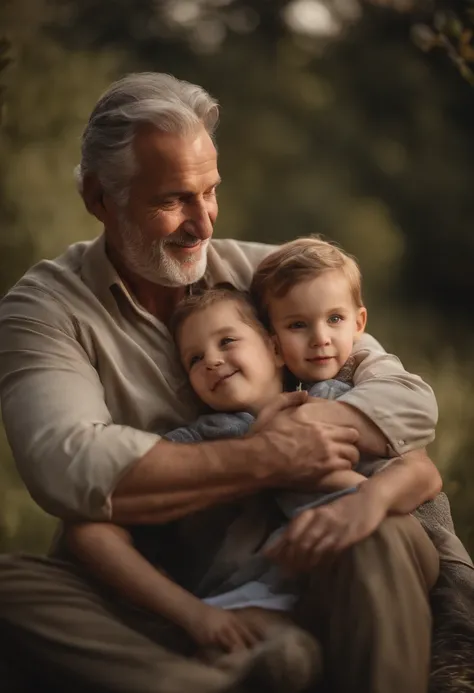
277 351
93 196
361 322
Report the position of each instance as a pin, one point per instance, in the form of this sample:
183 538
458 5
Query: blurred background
336 119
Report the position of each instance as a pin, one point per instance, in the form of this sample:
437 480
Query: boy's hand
321 533
213 627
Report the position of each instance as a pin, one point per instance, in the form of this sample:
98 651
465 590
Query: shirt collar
100 275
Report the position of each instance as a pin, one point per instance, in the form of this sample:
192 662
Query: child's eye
226 340
297 325
194 360
335 319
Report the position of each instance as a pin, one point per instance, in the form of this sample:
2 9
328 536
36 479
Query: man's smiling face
162 233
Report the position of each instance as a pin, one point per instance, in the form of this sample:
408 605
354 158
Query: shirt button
401 442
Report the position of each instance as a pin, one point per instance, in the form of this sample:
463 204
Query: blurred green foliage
331 123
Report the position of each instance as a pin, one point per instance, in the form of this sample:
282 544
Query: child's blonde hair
298 261
211 297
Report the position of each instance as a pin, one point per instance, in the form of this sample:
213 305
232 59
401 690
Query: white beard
156 263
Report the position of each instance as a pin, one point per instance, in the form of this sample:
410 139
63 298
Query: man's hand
371 439
321 533
287 400
298 449
291 449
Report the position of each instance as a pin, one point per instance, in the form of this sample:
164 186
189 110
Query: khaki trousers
369 608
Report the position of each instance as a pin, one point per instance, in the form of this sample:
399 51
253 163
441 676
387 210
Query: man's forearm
406 483
371 439
173 480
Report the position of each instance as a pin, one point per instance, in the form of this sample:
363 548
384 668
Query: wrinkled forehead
188 158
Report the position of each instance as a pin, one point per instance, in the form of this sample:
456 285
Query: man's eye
335 319
194 360
226 340
168 204
297 325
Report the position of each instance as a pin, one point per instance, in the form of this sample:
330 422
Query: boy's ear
361 322
277 351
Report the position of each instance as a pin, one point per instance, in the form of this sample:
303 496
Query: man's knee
401 541
9 574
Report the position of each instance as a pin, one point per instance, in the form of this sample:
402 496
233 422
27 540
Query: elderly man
89 379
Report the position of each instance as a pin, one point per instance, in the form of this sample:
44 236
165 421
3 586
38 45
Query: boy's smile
221 379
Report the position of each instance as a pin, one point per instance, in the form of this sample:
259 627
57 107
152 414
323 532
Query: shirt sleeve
69 452
401 404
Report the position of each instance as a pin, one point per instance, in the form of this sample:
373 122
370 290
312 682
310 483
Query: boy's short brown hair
297 261
209 297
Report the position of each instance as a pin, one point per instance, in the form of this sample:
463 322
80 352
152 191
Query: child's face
316 325
231 365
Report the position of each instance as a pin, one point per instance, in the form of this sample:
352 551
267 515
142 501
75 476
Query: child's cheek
196 384
290 349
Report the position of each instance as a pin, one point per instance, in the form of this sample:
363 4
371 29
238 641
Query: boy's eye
193 360
226 340
334 319
297 325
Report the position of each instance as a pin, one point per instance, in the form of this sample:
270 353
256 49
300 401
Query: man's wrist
257 459
246 460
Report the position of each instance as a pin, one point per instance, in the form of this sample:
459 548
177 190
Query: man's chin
182 274
171 270
186 268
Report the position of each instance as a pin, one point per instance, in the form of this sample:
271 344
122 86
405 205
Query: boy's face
316 325
230 364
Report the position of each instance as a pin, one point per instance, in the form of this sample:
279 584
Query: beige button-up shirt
89 379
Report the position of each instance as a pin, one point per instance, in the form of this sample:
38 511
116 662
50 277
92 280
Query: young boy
309 293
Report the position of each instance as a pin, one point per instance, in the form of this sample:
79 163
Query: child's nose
320 336
213 361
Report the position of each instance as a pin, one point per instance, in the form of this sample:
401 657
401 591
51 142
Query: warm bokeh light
368 141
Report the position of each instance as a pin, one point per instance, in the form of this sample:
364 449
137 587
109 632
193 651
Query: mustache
184 239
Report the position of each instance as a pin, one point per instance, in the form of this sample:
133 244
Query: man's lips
188 245
320 359
187 248
221 379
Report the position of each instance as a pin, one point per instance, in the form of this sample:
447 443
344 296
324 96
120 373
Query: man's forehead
171 157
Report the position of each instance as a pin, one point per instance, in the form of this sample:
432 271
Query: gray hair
170 104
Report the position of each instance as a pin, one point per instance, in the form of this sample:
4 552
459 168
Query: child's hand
320 533
213 627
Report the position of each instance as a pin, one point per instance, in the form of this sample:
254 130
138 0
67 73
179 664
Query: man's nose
200 221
